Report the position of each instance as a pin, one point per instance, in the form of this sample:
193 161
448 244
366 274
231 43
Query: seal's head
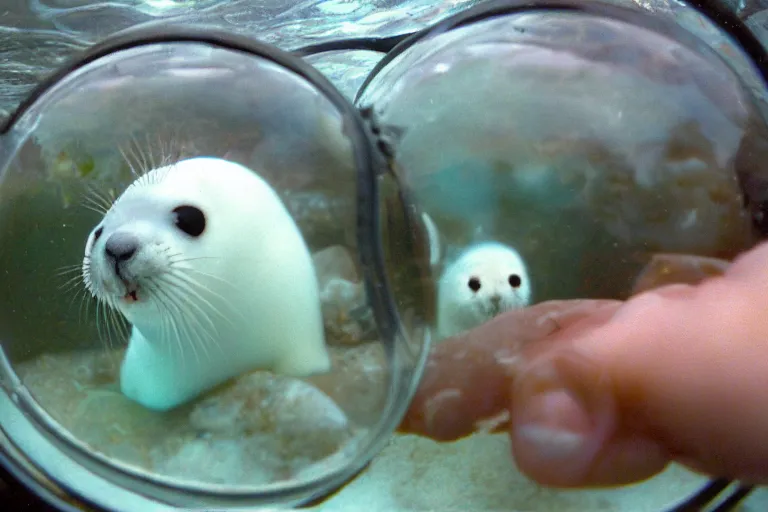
153 231
172 230
486 280
207 265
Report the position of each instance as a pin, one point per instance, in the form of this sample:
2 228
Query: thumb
679 373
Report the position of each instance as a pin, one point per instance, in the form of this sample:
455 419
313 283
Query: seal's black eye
515 281
97 234
190 220
474 284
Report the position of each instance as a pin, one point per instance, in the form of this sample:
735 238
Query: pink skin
600 393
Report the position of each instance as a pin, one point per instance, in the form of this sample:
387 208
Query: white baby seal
206 263
486 279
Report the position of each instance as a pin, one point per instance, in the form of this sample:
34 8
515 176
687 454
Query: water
263 429
39 35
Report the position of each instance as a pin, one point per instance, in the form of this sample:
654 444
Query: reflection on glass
187 293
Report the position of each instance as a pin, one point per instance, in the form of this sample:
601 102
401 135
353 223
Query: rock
348 319
334 262
664 269
358 381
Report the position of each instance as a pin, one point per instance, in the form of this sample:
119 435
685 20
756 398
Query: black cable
710 493
732 501
698 501
371 44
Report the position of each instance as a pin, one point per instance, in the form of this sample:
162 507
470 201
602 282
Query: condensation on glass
261 435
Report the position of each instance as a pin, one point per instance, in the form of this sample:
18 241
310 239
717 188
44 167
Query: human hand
599 393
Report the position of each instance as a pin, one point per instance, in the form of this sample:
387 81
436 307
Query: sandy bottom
261 429
477 474
258 429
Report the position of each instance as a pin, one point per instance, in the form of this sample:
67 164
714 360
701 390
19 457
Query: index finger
466 382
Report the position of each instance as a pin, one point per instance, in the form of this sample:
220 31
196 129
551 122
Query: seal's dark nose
121 247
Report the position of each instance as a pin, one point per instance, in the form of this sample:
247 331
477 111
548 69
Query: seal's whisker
79 293
196 335
68 269
121 324
167 326
207 275
196 318
176 259
117 322
195 295
94 210
107 314
181 271
142 164
188 331
213 338
98 199
181 328
94 194
140 156
87 281
129 163
71 283
189 287
204 345
101 327
173 309
173 334
165 154
94 206
164 171
85 301
98 321
151 161
165 160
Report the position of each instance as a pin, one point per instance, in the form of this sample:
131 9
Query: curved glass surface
567 154
191 305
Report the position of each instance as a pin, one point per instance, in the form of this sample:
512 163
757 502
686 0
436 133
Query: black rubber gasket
371 44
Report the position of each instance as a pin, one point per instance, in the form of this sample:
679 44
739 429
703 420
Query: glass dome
193 303
565 150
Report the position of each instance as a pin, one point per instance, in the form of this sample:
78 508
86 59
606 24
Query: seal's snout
121 247
495 301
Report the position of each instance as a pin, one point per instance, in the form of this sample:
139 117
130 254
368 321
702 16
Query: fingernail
553 423
562 411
